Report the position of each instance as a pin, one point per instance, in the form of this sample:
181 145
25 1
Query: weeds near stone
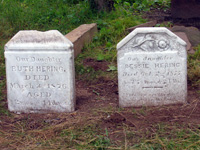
106 126
194 67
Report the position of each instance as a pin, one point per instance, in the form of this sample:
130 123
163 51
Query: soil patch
97 104
96 65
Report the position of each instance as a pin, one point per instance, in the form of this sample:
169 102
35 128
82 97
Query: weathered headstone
152 68
40 72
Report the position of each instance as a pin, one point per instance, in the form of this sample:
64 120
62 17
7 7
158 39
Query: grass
194 67
172 139
42 15
47 15
103 47
3 109
99 128
90 135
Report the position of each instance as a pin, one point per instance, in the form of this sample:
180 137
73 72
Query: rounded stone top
149 30
32 40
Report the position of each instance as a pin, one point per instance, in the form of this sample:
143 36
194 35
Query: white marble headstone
40 72
152 68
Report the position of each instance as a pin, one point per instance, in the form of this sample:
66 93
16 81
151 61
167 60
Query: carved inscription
40 72
151 77
38 59
152 68
40 79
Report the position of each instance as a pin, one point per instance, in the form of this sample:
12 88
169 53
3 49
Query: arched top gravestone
152 68
40 72
151 39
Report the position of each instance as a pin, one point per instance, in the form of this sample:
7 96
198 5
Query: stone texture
192 33
40 72
152 68
183 36
147 24
81 35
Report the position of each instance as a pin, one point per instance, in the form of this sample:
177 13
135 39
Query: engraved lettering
40 76
27 77
36 77
22 68
21 86
22 59
39 94
50 103
167 65
135 66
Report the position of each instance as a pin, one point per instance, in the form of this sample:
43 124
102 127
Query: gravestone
152 68
40 72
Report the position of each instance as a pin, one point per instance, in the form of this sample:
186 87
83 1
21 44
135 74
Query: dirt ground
97 103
